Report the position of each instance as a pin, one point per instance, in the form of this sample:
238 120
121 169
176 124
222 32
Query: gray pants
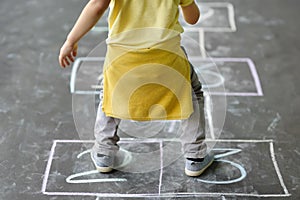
192 138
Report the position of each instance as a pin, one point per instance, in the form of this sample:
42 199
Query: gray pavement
36 109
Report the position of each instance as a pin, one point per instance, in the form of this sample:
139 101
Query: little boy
146 75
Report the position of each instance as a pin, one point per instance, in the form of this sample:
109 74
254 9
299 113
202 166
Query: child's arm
191 13
87 19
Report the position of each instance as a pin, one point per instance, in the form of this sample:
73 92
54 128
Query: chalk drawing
69 179
127 160
101 180
167 195
238 166
274 123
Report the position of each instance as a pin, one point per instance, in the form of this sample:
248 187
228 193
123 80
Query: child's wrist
70 41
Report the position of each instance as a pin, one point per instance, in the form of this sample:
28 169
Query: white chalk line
277 169
207 15
238 166
231 17
161 167
220 82
235 94
48 167
158 140
219 59
255 76
100 180
163 195
230 151
209 117
202 43
171 128
84 152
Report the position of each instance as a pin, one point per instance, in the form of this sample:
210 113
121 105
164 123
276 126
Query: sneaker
195 168
102 163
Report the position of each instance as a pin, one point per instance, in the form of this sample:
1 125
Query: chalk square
86 75
255 157
63 162
238 81
215 17
228 76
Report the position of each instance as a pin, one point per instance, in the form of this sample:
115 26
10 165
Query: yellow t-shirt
146 73
138 15
144 13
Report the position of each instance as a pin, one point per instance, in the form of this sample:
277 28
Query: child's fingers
71 58
67 55
61 62
66 61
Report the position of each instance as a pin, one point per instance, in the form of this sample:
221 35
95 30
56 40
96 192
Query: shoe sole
104 169
101 169
197 173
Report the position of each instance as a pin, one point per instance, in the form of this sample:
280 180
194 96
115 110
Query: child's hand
67 54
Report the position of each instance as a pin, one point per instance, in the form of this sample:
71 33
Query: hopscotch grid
259 93
159 194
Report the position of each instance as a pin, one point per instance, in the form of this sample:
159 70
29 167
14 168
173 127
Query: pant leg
105 132
193 137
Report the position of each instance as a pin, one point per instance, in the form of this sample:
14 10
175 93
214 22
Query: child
144 60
